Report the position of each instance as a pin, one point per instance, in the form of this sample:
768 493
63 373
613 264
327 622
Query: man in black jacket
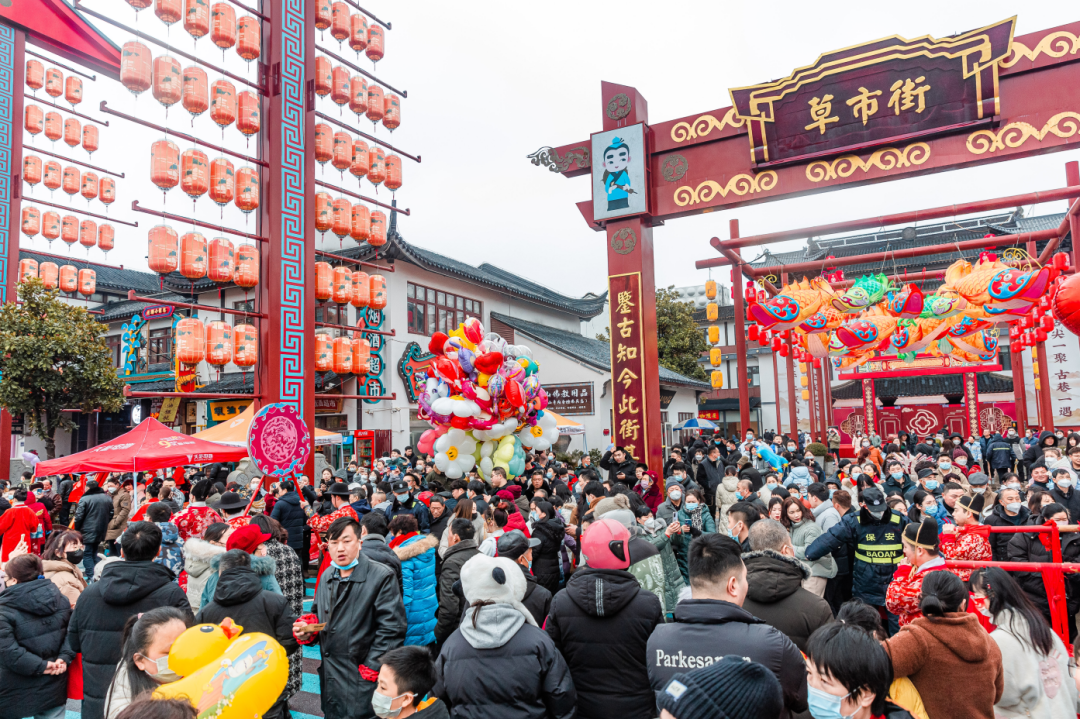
360 602
710 473
126 588
601 622
617 461
289 512
461 543
92 518
373 529
1008 512
515 545
239 595
405 503
1065 494
713 624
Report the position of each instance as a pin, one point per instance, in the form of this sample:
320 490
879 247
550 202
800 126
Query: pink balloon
427 439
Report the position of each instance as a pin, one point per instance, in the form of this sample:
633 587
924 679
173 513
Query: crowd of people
748 577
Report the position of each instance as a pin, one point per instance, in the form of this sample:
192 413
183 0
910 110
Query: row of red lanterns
345 219
345 25
217 342
342 355
345 153
218 21
56 127
197 176
354 91
69 229
344 286
53 81
217 260
88 184
1038 323
67 278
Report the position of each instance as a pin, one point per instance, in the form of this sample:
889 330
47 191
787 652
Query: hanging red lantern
190 341
139 4
342 285
324 352
342 222
393 173
88 233
32 169
752 332
361 159
1026 322
324 76
1061 261
194 173
35 73
50 275
324 281
1066 304
222 181
31 221
72 132
776 344
107 190
106 237
361 283
358 32
361 359
223 25
376 42
50 225
168 80
343 146
339 21
168 11
90 139
1047 323
222 262
361 223
377 285
54 126
247 189
324 211
223 102
69 229
163 257
195 97
193 256
245 345
72 180
342 356
376 106
135 67
248 38
89 186
35 119
54 82
324 143
69 278
196 18
248 113
377 237
1040 335
27 268
165 164
73 90
377 165
783 351
219 343
392 112
87 282
323 14
339 86
247 266
358 88
1016 347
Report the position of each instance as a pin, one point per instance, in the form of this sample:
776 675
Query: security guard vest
880 543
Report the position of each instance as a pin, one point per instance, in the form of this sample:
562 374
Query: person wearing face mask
1065 494
648 488
897 481
1008 511
404 502
461 547
1035 451
1028 547
60 559
406 679
849 675
670 507
710 475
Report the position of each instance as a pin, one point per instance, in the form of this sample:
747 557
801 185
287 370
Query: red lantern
168 81
32 169
324 353
1026 322
193 256
1067 304
358 32
1040 335
223 25
31 221
377 165
89 186
190 341
247 266
342 356
376 106
358 94
194 173
361 223
223 102
69 229
377 238
342 223
324 143
361 283
50 225
27 269
73 90
35 73
90 138
54 82
69 278
245 345
106 237
50 275
168 11
248 114
361 159
139 4
222 263
342 285
222 181
165 164
1047 323
324 76
376 42
1061 261
219 343
87 233
54 126
783 351
1016 347
752 332
361 359
196 18
339 86
135 67
343 146
248 38
195 96
377 284
339 21
72 180
392 112
324 281
72 132
247 189
87 282
393 172
35 119
324 211
776 344
107 190
323 14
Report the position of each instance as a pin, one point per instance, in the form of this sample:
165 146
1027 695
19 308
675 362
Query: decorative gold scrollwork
619 107
549 158
674 167
1015 134
889 158
683 131
624 241
772 279
1056 44
740 184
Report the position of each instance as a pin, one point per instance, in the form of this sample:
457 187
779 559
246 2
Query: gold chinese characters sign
627 365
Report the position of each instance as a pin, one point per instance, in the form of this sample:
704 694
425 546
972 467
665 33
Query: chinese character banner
627 364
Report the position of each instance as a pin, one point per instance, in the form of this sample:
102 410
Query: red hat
425 497
514 490
505 494
247 538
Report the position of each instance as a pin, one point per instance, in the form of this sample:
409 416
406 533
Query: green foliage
679 340
53 357
596 455
817 449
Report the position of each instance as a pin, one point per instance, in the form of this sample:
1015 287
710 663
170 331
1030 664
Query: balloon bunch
484 402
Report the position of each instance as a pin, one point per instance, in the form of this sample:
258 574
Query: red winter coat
16 526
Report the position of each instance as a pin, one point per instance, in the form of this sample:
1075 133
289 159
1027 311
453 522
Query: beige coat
121 504
66 576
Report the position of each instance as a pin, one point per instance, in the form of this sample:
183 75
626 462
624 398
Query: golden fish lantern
717 378
222 181
194 173
193 256
248 113
69 229
324 281
197 18
358 32
219 343
87 233
35 74
73 90
35 119
377 236
360 229
54 82
716 356
72 180
392 112
106 237
245 345
247 189
339 21
168 11
50 225
342 218
376 42
107 190
223 102
72 132
89 186
165 164
361 159
163 255
31 221
49 272
90 138
32 169
195 95
248 38
247 266
342 158
135 67
376 105
222 262
223 25
168 80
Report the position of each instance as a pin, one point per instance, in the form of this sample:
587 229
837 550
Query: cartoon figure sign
618 172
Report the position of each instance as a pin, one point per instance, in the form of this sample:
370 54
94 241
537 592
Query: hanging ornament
197 18
248 38
223 25
50 225
222 181
73 90
135 67
90 139
163 255
361 160
376 42
195 95
165 164
35 74
168 80
392 112
247 189
106 237
168 11
376 105
54 82
223 103
248 114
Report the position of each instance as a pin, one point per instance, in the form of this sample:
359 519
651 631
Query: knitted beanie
733 688
610 504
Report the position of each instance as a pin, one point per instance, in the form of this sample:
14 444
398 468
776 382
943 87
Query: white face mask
676 496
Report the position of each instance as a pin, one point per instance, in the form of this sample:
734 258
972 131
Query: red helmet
606 545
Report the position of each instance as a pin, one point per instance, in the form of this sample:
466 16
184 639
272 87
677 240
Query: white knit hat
495 579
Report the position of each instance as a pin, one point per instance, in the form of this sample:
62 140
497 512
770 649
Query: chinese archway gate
886 110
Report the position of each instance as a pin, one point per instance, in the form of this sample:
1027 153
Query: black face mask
76 556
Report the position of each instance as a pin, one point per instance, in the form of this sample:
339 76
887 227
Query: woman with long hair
464 509
198 552
804 530
144 661
61 560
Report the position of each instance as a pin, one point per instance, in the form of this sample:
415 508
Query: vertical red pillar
819 389
793 412
740 339
869 405
776 391
971 403
811 401
826 379
1019 396
1046 409
635 367
1072 177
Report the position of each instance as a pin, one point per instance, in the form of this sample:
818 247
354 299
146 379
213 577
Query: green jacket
673 579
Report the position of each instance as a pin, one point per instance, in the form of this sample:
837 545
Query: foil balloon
793 305
427 439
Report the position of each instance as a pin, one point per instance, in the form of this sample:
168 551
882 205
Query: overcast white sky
490 82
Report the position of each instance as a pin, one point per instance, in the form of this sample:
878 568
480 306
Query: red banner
627 365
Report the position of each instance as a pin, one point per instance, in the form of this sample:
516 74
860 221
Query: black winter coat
520 675
1035 452
776 595
547 557
239 595
999 543
705 630
1027 547
414 507
869 579
33 623
709 477
537 599
1069 500
290 514
999 453
375 548
601 623
451 605
613 468
93 514
97 624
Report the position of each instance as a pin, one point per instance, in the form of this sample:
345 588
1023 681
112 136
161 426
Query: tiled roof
108 278
931 385
244 383
116 311
590 351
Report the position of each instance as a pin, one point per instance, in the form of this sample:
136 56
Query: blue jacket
419 588
411 506
263 566
290 514
1000 453
875 545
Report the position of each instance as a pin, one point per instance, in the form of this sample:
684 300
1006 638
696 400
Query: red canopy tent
149 446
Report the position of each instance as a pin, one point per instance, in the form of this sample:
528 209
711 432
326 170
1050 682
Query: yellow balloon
482 379
242 682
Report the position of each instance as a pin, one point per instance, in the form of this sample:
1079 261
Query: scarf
696 520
